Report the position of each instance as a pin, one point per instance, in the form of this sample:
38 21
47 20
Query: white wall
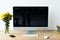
54 10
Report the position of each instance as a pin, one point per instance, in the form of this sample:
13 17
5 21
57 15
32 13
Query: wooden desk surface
18 33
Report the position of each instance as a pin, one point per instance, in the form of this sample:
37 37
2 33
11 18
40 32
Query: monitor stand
30 33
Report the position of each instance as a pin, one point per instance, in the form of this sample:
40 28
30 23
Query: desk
18 33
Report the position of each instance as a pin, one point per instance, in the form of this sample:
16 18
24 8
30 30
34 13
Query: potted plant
58 28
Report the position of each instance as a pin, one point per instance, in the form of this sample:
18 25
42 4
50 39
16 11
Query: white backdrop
54 11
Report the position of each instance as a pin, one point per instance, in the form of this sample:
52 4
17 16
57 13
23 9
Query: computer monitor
33 16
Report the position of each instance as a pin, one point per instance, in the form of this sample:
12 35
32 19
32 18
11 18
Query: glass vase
6 27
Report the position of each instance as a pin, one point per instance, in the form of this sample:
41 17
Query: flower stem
7 27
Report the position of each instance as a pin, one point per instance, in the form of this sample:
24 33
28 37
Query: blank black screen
30 16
